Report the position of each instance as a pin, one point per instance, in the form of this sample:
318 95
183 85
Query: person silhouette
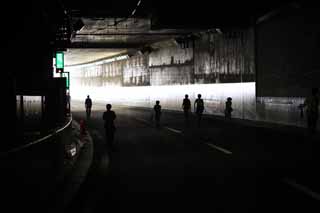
199 108
88 105
109 116
157 113
228 109
186 106
312 104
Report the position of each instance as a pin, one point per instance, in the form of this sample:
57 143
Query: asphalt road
221 166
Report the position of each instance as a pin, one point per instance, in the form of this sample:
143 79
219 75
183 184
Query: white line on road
173 130
142 120
302 188
219 148
168 128
180 132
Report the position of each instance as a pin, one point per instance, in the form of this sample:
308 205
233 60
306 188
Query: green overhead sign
59 60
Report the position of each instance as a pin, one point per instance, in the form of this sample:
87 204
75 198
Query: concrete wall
171 96
288 50
288 65
136 72
171 55
109 74
225 57
214 65
171 75
172 65
213 57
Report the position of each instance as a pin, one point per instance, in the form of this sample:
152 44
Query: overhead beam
113 45
136 34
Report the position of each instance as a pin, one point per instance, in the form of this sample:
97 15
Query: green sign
67 76
59 60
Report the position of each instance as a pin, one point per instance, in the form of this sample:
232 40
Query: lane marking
302 188
219 148
142 120
180 132
173 130
168 128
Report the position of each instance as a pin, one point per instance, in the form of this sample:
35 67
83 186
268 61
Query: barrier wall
214 95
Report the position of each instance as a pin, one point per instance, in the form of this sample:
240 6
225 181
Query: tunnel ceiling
178 13
76 56
121 33
107 37
115 27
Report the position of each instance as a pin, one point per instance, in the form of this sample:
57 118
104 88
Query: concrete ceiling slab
82 56
108 37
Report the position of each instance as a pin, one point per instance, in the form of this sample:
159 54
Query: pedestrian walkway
78 159
45 176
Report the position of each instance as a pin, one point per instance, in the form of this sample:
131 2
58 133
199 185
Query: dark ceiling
145 22
179 14
168 19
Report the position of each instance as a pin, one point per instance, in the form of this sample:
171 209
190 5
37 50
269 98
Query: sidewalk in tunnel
76 169
30 180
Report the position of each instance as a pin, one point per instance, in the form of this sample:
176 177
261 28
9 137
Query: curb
77 176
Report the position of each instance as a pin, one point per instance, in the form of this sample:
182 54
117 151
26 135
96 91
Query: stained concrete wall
288 50
171 96
172 55
288 65
225 57
108 74
267 70
171 75
213 57
135 71
176 68
172 65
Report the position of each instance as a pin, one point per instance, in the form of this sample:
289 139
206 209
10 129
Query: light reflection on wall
29 112
214 95
282 110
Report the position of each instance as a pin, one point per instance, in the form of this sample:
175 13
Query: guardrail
31 173
38 140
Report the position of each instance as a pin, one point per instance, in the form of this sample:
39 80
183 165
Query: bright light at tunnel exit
171 97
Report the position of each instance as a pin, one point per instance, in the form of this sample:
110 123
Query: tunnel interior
262 56
141 47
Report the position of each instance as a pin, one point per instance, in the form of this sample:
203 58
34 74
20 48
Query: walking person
228 109
312 104
88 105
157 113
109 116
199 108
186 106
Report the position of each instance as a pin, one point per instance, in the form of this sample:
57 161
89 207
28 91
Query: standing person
312 104
157 113
199 108
186 106
88 105
109 116
228 109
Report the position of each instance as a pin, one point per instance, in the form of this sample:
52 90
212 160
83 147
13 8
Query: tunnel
160 106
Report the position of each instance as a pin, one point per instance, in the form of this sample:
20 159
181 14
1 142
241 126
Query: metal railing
31 173
38 140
